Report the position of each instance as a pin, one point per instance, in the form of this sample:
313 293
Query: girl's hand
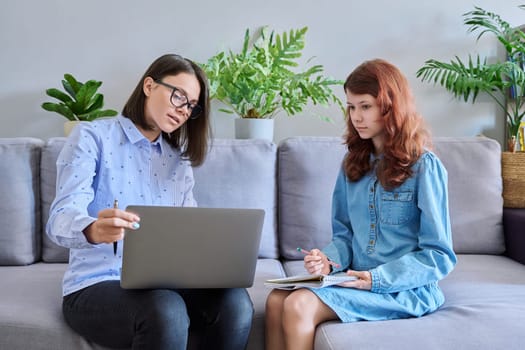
316 262
363 281
109 226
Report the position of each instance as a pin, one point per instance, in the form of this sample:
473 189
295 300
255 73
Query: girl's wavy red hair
406 137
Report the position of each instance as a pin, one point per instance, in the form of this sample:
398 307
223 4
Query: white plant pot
69 125
250 128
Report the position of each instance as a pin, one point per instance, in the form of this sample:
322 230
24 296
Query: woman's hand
109 226
316 262
363 281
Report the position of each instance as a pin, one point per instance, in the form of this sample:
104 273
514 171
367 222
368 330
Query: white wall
114 41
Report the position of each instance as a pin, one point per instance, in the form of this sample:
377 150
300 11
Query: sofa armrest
514 229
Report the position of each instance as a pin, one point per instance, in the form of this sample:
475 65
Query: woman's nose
185 109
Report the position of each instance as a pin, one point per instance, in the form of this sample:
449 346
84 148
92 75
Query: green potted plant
78 102
260 81
498 79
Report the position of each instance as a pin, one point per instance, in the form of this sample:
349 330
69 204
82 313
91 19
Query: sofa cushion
241 174
31 310
483 309
308 168
266 269
20 205
31 316
247 180
475 191
51 252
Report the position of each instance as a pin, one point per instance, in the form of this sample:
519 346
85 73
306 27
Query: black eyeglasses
179 100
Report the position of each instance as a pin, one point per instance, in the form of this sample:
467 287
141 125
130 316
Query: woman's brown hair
405 136
193 136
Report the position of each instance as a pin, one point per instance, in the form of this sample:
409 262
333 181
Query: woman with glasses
144 156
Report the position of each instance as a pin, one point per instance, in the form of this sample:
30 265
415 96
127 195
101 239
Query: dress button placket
373 217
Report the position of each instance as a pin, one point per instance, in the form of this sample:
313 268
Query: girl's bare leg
274 333
303 311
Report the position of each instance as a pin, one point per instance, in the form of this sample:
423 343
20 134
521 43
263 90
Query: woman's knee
238 305
165 309
299 303
275 301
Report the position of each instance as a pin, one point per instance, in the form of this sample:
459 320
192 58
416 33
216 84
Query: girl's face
366 117
169 102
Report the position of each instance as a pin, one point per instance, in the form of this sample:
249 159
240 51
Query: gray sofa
292 182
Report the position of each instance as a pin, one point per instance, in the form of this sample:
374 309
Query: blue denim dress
402 237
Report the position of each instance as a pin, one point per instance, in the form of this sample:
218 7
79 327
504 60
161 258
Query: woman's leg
141 319
221 317
274 333
303 311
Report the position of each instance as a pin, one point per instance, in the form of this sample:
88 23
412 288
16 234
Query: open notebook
312 281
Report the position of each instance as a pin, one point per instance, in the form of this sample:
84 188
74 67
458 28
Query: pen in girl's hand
334 264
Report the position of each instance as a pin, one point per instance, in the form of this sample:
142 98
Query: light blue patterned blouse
403 237
102 161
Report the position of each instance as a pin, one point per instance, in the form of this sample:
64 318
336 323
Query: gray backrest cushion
236 173
241 174
475 193
51 252
20 200
308 166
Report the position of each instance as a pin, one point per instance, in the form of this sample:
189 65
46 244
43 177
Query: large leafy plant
78 101
498 80
260 81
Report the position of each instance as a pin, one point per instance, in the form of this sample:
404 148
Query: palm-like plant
467 80
259 81
80 101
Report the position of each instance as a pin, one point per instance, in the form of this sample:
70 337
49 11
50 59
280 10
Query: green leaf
59 108
84 96
59 95
229 111
95 103
71 85
99 114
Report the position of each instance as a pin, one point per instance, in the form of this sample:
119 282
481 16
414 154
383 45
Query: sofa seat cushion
266 269
31 307
31 310
484 292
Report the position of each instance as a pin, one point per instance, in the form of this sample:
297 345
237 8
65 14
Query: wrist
88 233
327 268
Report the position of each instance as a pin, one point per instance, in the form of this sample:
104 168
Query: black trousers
160 318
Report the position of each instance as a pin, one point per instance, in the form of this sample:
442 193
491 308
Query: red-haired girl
390 219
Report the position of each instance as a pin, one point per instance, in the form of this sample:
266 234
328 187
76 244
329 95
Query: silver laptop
179 247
